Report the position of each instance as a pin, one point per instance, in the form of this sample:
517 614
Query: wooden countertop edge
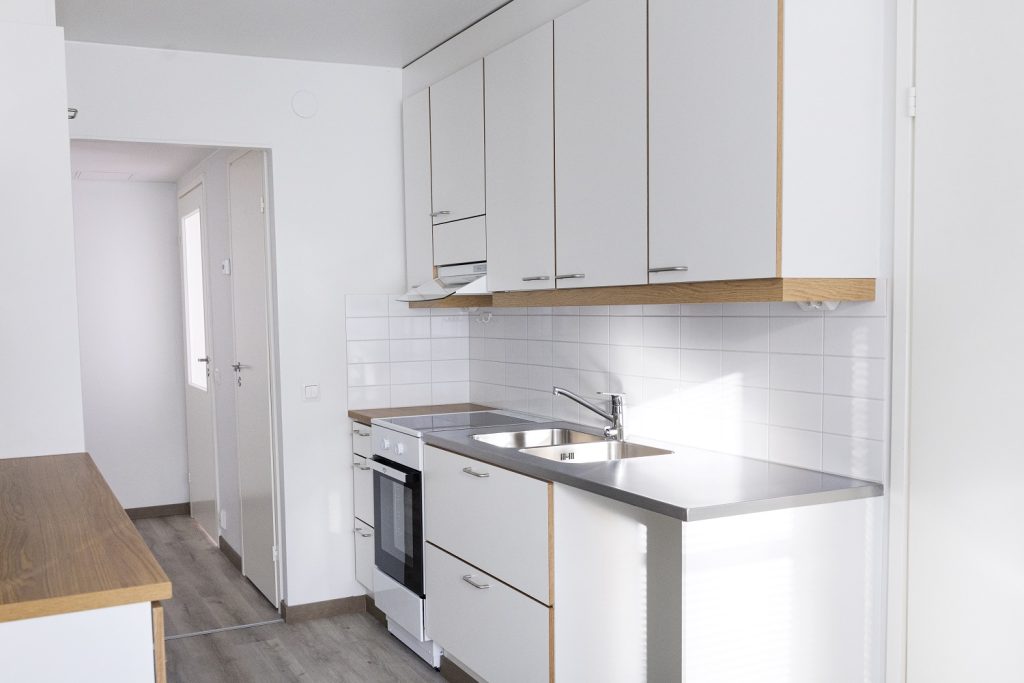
85 601
364 415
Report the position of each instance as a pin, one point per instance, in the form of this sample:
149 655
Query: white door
419 238
601 144
521 163
252 378
457 144
202 457
713 118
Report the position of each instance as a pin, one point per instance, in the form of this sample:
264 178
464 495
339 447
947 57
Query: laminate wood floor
210 593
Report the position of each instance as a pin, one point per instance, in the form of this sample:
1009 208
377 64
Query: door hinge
263 204
912 101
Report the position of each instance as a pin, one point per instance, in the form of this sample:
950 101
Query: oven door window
398 537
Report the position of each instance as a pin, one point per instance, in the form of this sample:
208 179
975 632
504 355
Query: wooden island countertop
66 544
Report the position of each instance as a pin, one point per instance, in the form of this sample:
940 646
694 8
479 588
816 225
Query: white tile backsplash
767 381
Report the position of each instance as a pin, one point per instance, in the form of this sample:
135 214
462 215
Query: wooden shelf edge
82 602
722 292
457 301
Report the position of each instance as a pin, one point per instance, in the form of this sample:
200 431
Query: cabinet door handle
468 578
362 433
363 532
364 468
440 213
572 276
669 269
473 473
535 278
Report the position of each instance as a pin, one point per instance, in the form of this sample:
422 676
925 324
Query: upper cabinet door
521 164
457 144
419 260
601 144
714 116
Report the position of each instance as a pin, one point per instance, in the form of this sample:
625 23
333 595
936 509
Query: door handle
362 532
535 278
238 367
468 578
473 473
669 269
203 360
363 468
435 214
572 276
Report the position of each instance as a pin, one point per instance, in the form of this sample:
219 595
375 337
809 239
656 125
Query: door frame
200 184
273 360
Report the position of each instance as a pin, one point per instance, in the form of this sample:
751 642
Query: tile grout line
225 628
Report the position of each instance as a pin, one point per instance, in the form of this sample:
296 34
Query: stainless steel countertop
689 485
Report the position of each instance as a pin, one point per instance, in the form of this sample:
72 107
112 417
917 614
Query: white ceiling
135 161
378 32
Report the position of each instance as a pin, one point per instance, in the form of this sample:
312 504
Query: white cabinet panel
495 519
457 144
713 119
462 241
362 443
362 489
364 554
419 266
521 163
601 144
499 633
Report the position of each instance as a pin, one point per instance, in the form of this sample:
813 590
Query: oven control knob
399 448
385 444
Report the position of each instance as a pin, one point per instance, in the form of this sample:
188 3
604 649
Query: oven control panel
398 447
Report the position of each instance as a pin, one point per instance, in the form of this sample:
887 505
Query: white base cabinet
493 629
362 504
364 554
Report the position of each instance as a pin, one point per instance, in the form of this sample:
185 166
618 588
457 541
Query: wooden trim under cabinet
159 647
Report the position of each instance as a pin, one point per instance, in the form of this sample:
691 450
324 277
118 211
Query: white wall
966 470
337 184
214 173
40 382
129 312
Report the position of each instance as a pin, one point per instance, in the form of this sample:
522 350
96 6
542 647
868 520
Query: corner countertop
66 544
689 484
364 416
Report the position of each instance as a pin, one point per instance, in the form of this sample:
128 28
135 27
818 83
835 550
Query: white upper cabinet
521 164
601 144
713 123
766 141
419 263
457 145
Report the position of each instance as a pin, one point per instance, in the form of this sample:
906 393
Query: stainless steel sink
536 437
595 451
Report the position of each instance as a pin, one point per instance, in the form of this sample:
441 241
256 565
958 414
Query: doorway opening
175 273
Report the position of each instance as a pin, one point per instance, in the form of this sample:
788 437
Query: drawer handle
364 468
572 276
473 473
359 433
468 578
669 269
440 213
363 532
536 278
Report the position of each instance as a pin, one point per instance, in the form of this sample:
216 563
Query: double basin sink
567 445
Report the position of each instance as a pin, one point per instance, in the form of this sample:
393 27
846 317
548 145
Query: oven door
398 513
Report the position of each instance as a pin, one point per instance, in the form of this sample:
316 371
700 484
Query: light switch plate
311 392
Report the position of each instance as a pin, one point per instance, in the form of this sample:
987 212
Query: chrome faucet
616 430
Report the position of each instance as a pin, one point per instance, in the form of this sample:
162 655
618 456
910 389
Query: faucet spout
616 430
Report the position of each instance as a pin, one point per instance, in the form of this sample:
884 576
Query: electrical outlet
311 392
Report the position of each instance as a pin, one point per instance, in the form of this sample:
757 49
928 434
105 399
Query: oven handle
389 472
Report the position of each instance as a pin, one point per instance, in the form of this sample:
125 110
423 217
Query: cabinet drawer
364 554
362 442
362 490
460 242
492 518
499 633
